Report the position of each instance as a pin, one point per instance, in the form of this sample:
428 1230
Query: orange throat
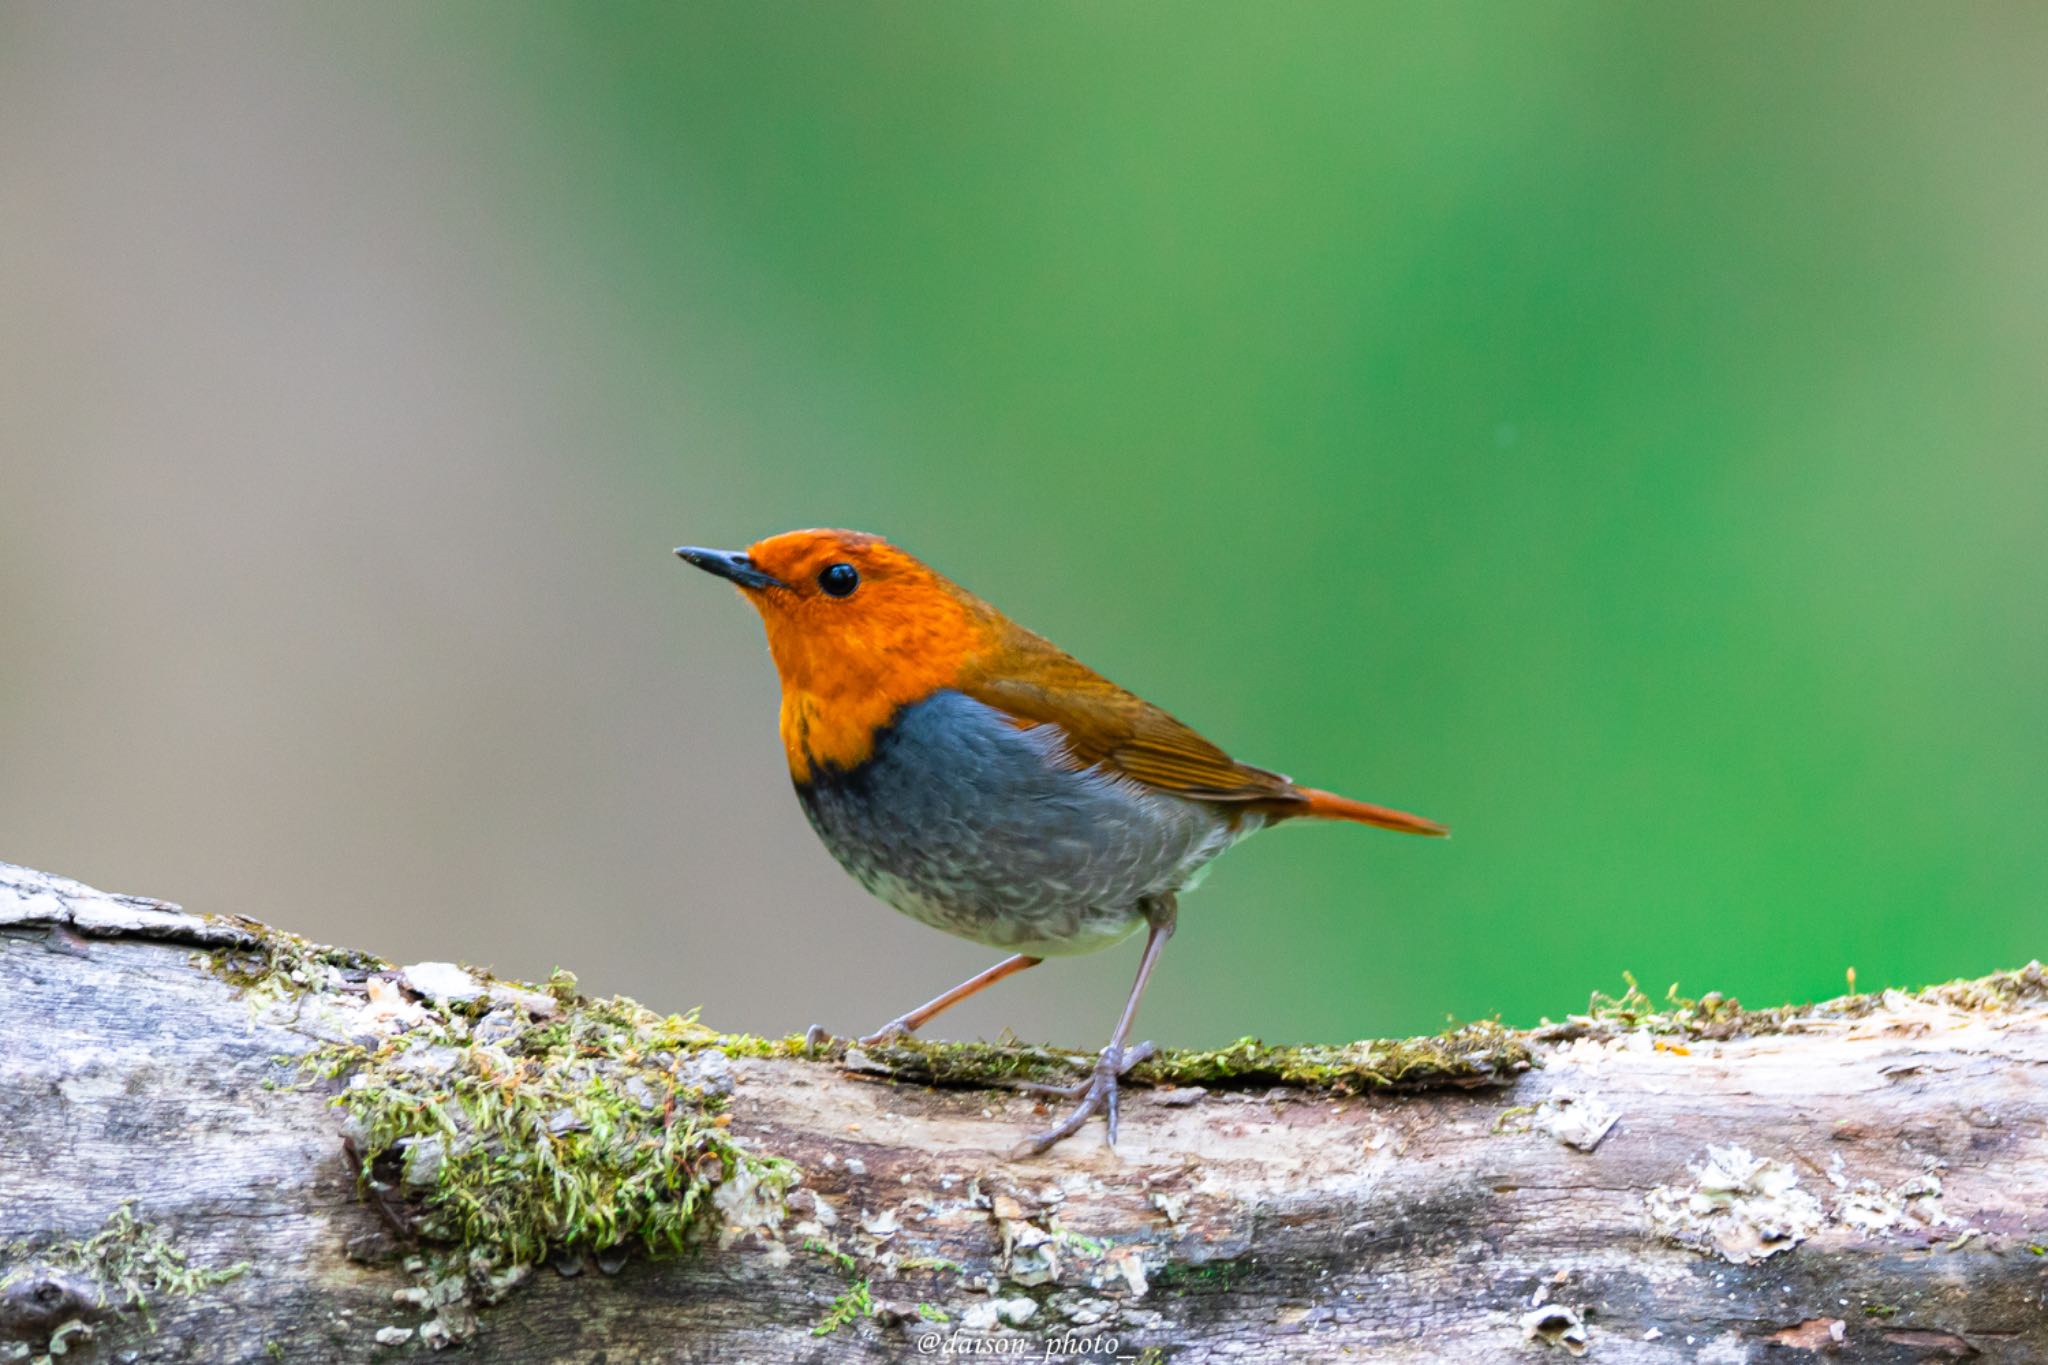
831 732
843 684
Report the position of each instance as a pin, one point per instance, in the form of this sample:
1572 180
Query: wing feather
1037 683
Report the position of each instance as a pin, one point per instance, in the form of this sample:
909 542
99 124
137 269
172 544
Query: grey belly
966 822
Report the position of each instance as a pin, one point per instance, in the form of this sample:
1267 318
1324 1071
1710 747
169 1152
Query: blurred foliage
1617 432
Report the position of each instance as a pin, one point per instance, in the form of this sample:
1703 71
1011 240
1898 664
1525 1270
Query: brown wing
1035 681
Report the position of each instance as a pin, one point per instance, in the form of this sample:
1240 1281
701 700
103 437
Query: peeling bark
1865 1181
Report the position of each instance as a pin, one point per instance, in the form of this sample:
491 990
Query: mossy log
224 1144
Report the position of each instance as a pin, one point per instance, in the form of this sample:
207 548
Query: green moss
572 1133
971 1064
830 1253
1509 1120
932 1263
562 986
134 1263
1472 1054
276 965
512 1129
1714 1016
749 1045
1207 1277
853 1305
501 1139
847 1309
1989 994
1088 1246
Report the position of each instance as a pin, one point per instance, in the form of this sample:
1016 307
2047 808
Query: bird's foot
1098 1091
816 1037
899 1027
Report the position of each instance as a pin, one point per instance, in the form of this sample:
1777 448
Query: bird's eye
838 580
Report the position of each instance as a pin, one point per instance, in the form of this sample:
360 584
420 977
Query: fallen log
222 1143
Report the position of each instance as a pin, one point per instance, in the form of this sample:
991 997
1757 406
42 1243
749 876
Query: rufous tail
1324 805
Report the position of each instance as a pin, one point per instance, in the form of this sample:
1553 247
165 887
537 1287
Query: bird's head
857 629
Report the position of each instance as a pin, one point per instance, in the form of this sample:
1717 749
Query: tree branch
507 1165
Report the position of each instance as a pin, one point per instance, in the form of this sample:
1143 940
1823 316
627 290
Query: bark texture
1864 1181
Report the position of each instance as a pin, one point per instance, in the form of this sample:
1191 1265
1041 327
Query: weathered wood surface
1904 1146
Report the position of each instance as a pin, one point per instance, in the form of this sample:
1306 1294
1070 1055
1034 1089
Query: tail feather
1324 805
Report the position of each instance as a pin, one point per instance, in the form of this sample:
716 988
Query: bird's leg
1099 1091
909 1023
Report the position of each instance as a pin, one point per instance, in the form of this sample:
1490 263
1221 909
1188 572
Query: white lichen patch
1555 1324
451 1289
997 1314
446 1298
1037 1250
1129 1264
1741 1207
1031 1255
386 1010
441 981
1913 1203
753 1199
1578 1121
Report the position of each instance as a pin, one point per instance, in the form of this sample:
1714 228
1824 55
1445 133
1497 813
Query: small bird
982 781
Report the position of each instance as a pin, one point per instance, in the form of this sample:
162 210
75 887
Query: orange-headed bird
981 780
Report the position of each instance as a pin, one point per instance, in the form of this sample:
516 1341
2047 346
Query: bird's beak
730 564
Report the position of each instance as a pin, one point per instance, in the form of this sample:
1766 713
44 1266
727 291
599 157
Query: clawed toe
1126 1058
816 1037
888 1033
1098 1091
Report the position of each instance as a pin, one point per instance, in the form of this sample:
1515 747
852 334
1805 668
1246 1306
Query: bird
979 779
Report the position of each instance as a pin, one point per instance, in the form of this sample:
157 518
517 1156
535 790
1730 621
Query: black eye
838 579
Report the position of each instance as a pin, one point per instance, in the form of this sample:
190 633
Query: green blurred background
1618 431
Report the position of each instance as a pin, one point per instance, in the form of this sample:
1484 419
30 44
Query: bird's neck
841 689
828 733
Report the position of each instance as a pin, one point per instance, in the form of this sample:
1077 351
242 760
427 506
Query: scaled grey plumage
965 821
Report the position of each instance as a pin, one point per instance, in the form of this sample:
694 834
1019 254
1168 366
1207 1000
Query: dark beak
729 564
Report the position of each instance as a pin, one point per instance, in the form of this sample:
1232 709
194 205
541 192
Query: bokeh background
1618 431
